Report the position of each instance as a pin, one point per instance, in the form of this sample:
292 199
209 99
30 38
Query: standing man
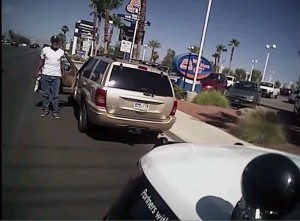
51 66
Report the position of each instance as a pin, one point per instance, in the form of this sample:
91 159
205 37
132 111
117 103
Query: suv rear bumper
100 117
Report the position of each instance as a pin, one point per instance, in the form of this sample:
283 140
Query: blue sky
176 24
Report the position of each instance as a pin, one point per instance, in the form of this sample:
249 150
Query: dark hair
55 39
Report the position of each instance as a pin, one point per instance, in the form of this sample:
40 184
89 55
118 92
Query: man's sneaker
44 113
56 115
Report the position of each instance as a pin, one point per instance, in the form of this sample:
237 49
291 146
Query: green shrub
179 93
211 98
260 126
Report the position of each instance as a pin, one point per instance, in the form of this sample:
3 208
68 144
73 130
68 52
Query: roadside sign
125 46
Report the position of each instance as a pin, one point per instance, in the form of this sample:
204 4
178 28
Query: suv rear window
214 76
266 84
141 81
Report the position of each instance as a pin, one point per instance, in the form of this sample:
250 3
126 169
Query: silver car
244 93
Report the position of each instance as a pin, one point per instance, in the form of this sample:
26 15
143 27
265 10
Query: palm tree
98 11
117 22
141 27
234 43
219 50
64 29
195 49
62 39
155 56
108 5
153 44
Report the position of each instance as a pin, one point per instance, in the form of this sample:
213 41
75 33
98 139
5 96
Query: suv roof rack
132 60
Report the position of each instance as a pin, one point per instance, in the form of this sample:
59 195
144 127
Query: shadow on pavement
292 127
221 120
113 135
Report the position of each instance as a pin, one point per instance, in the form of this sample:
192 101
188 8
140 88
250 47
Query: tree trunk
64 41
218 62
141 27
106 30
95 28
231 55
97 35
152 53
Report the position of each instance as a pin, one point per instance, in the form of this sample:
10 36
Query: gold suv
130 95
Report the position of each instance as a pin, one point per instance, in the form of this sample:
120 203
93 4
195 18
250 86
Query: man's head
55 41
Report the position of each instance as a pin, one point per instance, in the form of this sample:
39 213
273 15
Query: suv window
266 84
246 85
141 81
99 71
88 70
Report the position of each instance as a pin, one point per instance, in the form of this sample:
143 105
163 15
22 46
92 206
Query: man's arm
41 63
39 66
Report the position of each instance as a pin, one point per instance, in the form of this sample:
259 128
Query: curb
187 139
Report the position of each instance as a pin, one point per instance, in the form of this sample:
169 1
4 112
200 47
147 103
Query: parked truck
269 89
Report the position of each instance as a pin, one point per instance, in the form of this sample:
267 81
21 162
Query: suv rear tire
83 122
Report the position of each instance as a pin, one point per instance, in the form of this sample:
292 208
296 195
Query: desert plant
211 98
260 126
179 92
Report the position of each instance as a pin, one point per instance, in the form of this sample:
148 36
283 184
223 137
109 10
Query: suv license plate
141 106
237 100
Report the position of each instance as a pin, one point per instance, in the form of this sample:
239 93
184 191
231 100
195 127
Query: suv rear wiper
146 92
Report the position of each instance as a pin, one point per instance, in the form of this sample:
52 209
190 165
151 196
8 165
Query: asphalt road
49 169
280 103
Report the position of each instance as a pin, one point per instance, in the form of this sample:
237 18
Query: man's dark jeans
50 86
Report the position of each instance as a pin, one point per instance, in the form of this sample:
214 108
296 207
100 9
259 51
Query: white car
230 80
269 89
292 97
188 181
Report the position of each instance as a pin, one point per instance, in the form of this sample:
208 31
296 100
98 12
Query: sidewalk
193 130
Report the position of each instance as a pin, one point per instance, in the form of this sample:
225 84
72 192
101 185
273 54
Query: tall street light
268 47
188 64
202 43
144 52
271 75
251 72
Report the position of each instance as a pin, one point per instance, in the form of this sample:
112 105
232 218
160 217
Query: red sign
133 6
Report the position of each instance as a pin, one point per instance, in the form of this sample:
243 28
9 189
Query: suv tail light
174 109
100 97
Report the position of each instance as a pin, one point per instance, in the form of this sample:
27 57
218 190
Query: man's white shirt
52 61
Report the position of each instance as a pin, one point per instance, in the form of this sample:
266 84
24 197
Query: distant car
244 93
285 91
292 97
14 43
230 81
269 89
24 45
214 82
34 45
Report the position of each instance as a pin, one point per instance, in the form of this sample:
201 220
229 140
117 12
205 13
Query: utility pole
95 33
